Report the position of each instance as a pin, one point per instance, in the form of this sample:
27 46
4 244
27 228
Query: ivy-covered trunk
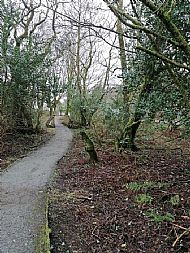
83 117
89 147
132 130
128 136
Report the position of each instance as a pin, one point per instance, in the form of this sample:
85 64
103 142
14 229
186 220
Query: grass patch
143 199
147 185
156 217
175 200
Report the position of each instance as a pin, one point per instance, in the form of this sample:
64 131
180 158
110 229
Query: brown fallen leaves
93 207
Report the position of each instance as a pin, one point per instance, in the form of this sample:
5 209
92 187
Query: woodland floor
129 202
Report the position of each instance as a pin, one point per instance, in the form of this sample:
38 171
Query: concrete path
23 195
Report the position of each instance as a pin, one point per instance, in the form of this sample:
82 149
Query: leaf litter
94 207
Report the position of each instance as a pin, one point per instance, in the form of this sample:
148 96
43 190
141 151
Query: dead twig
179 226
187 230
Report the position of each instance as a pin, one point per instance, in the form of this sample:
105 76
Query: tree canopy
52 51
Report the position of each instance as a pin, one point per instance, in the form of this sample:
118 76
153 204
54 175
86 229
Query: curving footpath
23 198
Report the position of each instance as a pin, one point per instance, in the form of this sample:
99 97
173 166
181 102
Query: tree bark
89 147
51 121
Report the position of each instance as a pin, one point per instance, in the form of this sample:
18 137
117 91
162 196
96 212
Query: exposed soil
14 146
110 207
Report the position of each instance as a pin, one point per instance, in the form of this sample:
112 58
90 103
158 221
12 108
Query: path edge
42 242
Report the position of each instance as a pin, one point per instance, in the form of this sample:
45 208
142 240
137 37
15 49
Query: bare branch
25 5
124 17
53 20
38 23
163 57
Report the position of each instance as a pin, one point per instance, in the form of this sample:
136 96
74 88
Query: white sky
104 17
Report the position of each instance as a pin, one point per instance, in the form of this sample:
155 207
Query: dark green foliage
23 73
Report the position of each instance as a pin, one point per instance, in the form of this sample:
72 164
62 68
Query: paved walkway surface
23 194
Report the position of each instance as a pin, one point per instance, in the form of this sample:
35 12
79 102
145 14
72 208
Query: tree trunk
22 118
39 115
51 121
83 117
68 105
132 133
89 147
123 62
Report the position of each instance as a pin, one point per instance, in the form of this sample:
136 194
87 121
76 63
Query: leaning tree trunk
127 139
89 147
132 130
83 117
51 121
